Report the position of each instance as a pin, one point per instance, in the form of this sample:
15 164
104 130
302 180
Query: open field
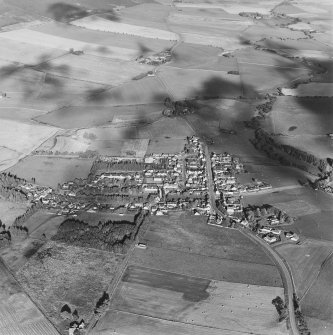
46 41
98 23
58 274
61 169
197 301
178 231
19 114
145 91
90 116
318 302
135 148
194 56
306 262
19 316
19 139
165 145
109 44
311 116
187 83
173 128
297 207
9 211
310 89
319 327
22 51
214 268
105 70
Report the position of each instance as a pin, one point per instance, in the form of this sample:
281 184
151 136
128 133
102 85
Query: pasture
192 300
306 262
94 22
19 315
61 169
58 274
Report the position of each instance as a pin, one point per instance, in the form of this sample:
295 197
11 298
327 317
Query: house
270 239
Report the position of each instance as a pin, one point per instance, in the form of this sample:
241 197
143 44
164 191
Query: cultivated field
58 274
18 114
61 169
135 148
18 315
191 300
105 70
98 23
306 262
166 145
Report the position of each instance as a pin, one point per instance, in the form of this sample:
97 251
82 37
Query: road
280 263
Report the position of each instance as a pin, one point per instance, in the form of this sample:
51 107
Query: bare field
95 69
306 261
178 231
214 268
191 300
187 83
98 23
19 316
61 169
58 274
9 211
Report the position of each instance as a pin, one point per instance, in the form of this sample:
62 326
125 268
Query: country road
280 263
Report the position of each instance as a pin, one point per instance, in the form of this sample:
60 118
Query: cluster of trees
81 154
113 236
102 304
36 206
300 320
181 107
280 307
265 142
253 213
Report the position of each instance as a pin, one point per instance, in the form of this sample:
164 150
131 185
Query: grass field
61 169
19 316
197 301
105 70
165 145
19 114
9 211
58 274
306 261
98 23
